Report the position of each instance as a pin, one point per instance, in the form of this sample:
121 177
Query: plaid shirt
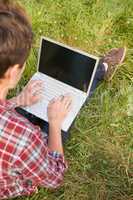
25 160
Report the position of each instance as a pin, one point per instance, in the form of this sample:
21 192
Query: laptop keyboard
52 89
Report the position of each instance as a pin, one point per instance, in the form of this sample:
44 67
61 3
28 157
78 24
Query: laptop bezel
73 49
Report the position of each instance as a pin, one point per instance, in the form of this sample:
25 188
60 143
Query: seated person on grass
27 158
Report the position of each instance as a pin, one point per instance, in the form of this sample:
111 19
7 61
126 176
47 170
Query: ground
100 149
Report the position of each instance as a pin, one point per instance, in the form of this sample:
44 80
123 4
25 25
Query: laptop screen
66 65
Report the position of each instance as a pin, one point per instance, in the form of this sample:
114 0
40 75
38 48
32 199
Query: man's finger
69 108
37 91
67 100
68 104
33 85
35 99
35 81
53 100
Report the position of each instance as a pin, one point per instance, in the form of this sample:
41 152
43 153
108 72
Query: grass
100 150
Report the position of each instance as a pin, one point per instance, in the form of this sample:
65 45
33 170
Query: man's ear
12 76
12 72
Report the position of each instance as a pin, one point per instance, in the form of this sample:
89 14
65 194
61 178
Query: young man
27 158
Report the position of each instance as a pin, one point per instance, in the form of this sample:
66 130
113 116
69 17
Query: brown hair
15 35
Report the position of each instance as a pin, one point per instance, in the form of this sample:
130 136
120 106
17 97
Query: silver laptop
64 70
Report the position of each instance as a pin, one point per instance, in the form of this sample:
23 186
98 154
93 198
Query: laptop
63 70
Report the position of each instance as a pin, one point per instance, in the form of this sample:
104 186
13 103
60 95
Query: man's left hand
30 95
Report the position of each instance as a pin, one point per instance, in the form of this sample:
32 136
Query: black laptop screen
66 65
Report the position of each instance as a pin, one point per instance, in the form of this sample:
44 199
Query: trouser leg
99 76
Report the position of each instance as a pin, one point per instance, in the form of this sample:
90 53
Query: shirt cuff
55 154
59 158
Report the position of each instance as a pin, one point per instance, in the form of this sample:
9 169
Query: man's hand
58 110
30 95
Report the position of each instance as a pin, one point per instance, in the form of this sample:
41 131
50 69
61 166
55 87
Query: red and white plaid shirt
25 160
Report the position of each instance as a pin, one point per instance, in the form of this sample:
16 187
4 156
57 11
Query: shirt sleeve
40 166
9 104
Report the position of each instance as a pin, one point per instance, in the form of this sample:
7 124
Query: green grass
100 150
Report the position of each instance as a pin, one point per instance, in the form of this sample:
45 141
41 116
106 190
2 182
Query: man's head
15 41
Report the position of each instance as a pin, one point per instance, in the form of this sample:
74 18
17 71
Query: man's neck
3 92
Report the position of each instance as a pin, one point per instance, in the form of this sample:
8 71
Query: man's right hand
58 109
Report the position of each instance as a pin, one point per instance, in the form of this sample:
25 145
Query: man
27 158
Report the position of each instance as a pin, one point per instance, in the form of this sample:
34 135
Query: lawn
100 149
